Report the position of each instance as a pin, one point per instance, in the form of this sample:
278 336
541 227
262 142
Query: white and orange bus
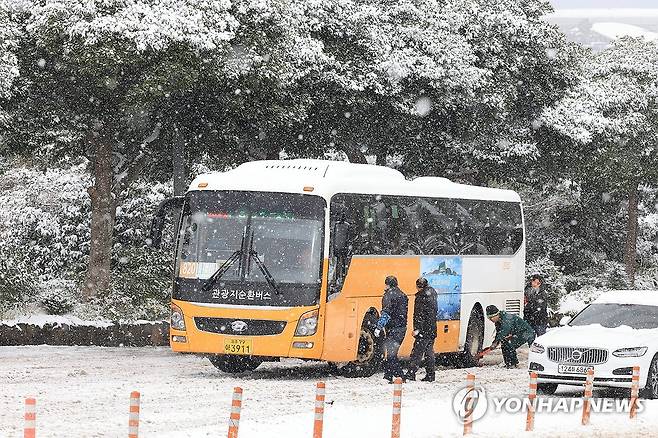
282 259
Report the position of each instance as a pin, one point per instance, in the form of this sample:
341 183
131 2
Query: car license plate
573 369
238 346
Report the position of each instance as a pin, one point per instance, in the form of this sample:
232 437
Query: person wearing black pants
425 311
394 319
536 304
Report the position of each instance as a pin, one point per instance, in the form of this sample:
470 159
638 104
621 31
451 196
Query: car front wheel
651 389
547 388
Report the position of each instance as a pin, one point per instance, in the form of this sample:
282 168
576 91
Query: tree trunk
273 150
630 248
178 164
354 155
179 172
103 216
381 157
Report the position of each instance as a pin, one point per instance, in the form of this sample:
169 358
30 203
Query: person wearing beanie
425 314
511 333
394 319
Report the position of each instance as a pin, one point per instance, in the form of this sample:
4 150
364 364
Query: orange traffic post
468 414
133 415
397 407
635 390
589 384
532 398
319 410
236 407
30 418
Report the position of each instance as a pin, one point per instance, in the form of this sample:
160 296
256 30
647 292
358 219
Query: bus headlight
308 324
630 352
177 321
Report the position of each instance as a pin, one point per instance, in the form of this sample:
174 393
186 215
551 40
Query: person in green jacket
511 333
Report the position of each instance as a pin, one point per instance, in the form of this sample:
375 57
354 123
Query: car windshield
614 315
285 230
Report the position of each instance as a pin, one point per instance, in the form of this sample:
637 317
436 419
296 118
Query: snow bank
55 320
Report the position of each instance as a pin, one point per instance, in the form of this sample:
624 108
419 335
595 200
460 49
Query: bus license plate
573 369
238 346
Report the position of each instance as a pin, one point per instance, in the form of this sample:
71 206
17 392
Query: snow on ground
84 392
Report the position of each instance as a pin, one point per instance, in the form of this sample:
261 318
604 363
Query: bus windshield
284 230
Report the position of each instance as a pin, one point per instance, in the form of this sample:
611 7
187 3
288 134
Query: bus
287 259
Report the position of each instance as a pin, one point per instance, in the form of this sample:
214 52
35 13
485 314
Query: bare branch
132 170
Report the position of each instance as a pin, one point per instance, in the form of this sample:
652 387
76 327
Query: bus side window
344 212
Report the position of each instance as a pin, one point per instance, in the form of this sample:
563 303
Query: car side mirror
565 320
341 236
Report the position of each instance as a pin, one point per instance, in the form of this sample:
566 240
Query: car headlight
537 348
177 320
308 324
630 352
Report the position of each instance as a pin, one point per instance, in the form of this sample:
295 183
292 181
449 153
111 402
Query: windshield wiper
221 270
268 277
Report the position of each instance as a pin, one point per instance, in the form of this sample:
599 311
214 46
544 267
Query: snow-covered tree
609 119
107 78
8 61
452 87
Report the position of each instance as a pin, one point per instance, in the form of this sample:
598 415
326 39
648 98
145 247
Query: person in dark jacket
425 311
535 311
394 318
511 333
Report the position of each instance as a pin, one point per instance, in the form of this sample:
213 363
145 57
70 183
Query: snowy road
84 392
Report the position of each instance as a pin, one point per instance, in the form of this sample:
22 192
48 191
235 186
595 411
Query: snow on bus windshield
285 231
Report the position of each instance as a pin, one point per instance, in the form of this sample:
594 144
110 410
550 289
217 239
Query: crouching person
425 310
394 319
511 333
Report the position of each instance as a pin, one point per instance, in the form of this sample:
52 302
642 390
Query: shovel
481 354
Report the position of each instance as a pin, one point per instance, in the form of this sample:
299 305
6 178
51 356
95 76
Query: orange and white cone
236 408
319 410
589 384
468 417
635 390
397 407
30 418
133 415
532 398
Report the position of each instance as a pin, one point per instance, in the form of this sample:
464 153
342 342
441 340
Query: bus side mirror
341 234
157 224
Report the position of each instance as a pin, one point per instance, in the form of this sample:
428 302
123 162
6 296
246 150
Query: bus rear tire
370 353
474 339
234 364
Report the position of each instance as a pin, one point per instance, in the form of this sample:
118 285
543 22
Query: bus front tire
370 353
234 364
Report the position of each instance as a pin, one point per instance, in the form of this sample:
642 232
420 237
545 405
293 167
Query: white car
617 331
